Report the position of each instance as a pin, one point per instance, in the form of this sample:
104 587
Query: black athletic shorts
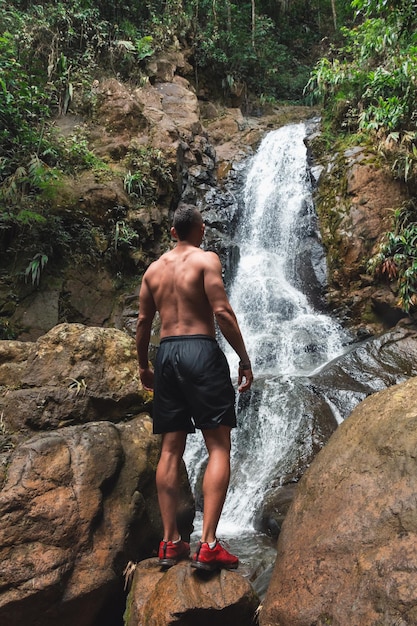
192 385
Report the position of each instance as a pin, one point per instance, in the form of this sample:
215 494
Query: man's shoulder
211 257
163 259
204 258
153 268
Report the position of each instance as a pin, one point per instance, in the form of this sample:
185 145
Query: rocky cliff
77 476
165 139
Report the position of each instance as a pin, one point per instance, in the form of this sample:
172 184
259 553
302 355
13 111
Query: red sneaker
171 552
209 559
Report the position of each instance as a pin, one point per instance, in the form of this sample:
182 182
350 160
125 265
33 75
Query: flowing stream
286 336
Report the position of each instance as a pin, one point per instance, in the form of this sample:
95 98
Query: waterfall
285 335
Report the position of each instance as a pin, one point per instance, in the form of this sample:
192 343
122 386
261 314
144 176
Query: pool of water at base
256 551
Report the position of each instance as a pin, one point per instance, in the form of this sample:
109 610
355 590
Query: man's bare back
177 283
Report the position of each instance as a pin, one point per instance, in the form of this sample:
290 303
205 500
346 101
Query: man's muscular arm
147 310
225 316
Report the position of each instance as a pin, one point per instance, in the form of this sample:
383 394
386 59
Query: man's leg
216 479
167 481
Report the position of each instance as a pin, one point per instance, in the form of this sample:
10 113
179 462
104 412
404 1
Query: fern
35 267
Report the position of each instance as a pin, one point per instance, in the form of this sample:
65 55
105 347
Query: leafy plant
144 47
148 169
396 259
36 176
134 183
35 268
124 235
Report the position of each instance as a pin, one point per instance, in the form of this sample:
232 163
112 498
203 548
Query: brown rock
347 550
180 103
373 195
74 510
73 374
164 68
13 357
89 295
357 198
118 111
184 597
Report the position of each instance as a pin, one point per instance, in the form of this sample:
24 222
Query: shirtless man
191 381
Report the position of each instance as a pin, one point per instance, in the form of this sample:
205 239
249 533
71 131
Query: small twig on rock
128 573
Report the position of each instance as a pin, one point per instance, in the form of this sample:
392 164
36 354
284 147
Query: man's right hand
146 376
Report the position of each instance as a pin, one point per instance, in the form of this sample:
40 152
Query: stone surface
76 505
77 476
185 597
73 374
347 551
355 202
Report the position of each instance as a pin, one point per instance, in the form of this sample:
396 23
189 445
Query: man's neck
186 243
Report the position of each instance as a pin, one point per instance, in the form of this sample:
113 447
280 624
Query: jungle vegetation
368 89
358 59
52 52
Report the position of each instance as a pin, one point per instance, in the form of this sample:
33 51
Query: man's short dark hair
186 217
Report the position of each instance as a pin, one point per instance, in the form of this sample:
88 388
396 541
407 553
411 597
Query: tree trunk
214 12
253 23
334 14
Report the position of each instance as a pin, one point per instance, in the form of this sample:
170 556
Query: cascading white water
285 337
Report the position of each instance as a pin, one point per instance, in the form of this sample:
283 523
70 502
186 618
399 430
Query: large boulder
76 505
77 476
184 597
71 375
347 549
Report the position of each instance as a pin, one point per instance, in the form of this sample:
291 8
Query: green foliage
402 10
144 47
74 155
22 104
124 236
50 55
266 56
35 267
369 85
396 259
35 177
134 183
148 172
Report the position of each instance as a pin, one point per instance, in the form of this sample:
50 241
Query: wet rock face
328 398
355 202
346 552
